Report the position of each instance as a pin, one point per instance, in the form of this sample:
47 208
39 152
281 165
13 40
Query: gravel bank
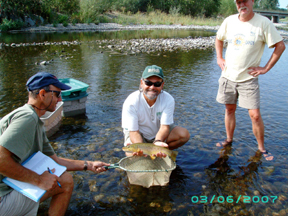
118 27
111 27
133 46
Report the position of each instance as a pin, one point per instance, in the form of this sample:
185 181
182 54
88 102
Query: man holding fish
147 117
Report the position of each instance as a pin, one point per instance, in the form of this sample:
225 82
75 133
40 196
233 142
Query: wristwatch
156 141
85 165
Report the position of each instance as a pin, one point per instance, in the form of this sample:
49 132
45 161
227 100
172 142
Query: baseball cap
153 70
42 79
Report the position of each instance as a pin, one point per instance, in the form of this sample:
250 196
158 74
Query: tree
266 4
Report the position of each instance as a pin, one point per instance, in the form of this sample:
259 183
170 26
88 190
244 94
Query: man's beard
149 96
243 8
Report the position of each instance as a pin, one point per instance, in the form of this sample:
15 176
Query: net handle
116 165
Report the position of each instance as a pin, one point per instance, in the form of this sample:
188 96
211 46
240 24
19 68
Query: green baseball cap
153 70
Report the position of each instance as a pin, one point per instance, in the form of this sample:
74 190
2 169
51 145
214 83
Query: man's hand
256 71
48 181
221 63
97 166
161 144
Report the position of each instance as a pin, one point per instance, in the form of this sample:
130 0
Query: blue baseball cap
42 79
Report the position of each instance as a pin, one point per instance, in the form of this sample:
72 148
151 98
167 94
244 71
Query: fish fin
152 157
174 155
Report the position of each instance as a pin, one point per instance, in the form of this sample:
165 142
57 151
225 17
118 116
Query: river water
237 179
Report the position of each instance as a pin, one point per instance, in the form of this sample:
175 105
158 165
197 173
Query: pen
52 173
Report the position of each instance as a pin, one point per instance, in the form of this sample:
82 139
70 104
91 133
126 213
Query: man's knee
230 108
179 133
66 181
185 135
255 115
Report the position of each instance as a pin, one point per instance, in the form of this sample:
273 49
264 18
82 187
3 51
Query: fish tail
174 155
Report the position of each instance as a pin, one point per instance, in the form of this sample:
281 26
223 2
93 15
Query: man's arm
278 50
10 168
135 137
78 165
219 53
162 135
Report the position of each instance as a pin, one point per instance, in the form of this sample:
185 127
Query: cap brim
61 85
145 77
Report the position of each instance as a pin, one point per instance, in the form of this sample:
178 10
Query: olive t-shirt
22 133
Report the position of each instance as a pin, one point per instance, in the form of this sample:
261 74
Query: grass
158 17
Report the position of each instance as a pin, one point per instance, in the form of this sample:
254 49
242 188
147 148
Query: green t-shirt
22 133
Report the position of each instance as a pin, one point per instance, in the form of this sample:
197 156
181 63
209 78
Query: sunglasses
58 93
149 83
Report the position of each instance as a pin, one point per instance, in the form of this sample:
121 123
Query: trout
150 149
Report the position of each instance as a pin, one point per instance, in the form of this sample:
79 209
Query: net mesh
147 172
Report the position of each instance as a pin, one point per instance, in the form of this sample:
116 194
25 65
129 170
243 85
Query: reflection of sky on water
202 169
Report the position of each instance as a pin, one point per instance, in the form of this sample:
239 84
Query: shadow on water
192 79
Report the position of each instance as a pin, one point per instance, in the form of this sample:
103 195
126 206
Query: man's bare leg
230 124
177 137
258 130
60 196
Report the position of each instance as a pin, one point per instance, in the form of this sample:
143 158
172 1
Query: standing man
246 33
147 114
22 134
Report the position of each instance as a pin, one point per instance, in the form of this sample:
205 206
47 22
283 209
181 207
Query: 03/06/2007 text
230 199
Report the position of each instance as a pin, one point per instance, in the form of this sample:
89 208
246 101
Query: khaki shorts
16 203
127 136
247 93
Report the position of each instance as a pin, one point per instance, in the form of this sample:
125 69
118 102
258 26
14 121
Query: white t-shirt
246 43
138 115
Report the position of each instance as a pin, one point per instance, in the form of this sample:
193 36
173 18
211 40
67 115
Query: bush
62 18
11 25
227 8
61 6
89 10
132 5
65 23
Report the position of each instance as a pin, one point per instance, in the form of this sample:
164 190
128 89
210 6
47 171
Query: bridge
272 14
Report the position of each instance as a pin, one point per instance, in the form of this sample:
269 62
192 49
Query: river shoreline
132 46
117 27
109 27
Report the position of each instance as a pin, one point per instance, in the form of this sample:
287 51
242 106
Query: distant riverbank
116 27
111 27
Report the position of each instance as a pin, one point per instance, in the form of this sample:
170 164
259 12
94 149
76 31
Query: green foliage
11 25
227 8
61 6
266 4
62 18
55 23
13 10
131 5
65 23
90 9
175 11
74 21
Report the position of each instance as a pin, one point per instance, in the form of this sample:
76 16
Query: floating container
75 98
52 120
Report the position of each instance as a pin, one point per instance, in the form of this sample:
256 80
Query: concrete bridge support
275 19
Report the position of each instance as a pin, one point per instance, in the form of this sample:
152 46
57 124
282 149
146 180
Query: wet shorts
16 203
247 93
127 136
